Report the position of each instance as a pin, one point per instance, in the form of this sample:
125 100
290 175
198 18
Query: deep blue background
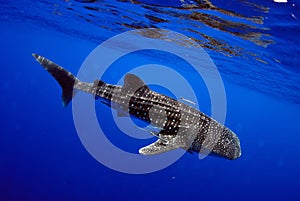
42 157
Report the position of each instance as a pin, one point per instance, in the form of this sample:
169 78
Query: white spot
280 1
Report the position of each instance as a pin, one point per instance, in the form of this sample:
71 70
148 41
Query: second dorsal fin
132 83
98 83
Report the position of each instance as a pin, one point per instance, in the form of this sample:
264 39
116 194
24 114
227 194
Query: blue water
255 46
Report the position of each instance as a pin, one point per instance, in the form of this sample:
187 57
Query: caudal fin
65 79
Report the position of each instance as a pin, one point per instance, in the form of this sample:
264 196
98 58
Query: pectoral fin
182 139
157 147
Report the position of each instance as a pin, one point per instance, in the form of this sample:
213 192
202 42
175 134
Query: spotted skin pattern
180 125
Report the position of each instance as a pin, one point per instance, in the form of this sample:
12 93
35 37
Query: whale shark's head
228 146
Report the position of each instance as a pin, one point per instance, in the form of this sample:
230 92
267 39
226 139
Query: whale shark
179 125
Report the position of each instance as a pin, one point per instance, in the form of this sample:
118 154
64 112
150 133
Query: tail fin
62 76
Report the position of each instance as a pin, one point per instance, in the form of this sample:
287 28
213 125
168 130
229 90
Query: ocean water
255 46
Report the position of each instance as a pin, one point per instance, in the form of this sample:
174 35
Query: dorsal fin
132 83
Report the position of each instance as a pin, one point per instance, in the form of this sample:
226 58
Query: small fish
188 101
180 125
